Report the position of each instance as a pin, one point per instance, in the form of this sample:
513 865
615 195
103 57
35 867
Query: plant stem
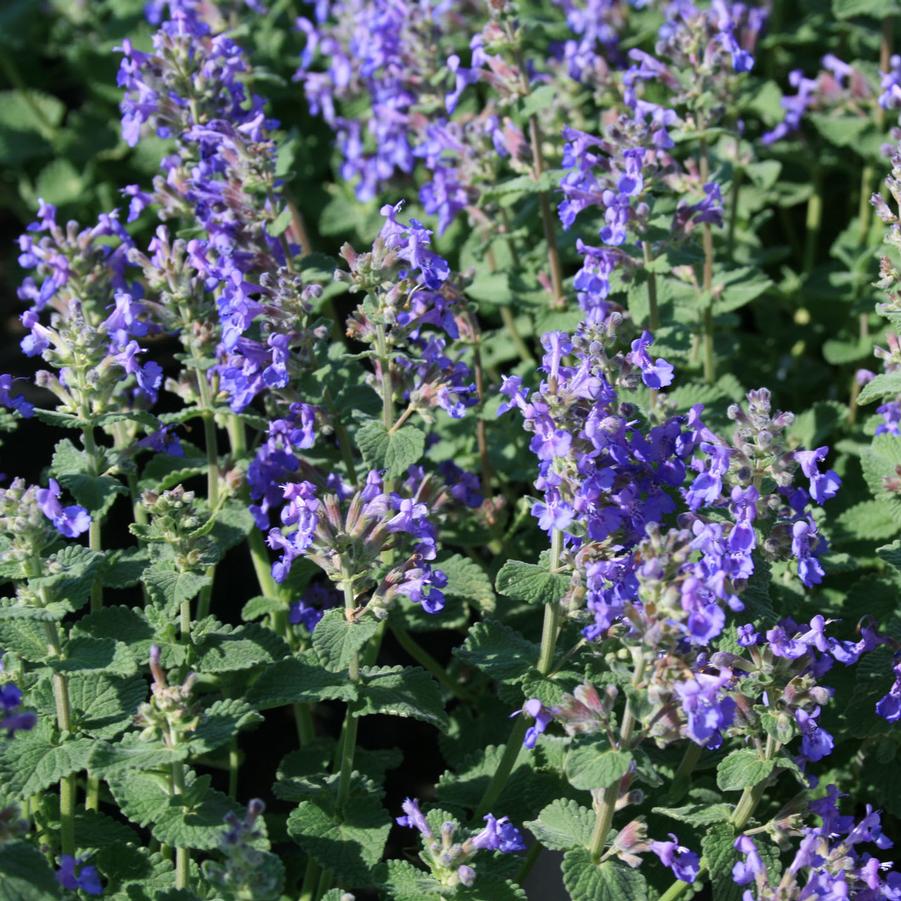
681 778
558 301
64 722
528 863
184 616
426 660
604 809
481 425
348 745
551 623
513 746
707 284
812 222
606 805
751 796
743 812
259 557
653 312
234 764
182 855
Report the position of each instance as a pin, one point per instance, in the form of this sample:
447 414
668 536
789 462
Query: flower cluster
76 874
347 535
32 519
449 860
12 717
838 86
384 52
829 862
85 318
410 315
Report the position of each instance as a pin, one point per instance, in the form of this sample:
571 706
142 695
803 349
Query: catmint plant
425 515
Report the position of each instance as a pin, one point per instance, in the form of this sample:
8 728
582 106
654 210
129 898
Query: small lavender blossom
14 402
413 818
889 706
685 864
499 835
12 718
542 717
69 521
75 874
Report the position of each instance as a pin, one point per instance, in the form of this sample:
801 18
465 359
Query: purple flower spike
69 521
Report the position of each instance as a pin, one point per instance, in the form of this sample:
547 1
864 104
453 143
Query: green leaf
562 825
169 588
697 814
132 753
401 691
739 287
299 680
121 624
74 469
220 723
499 651
395 452
59 182
86 654
25 638
589 767
881 464
192 820
891 553
102 705
280 223
741 769
336 640
125 567
538 100
406 882
886 384
32 111
25 874
232 648
842 131
260 606
351 844
875 9
531 583
869 520
69 575
33 762
609 881
467 581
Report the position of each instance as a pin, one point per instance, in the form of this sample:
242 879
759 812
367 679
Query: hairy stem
604 808
513 746
348 745
653 312
707 282
64 722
